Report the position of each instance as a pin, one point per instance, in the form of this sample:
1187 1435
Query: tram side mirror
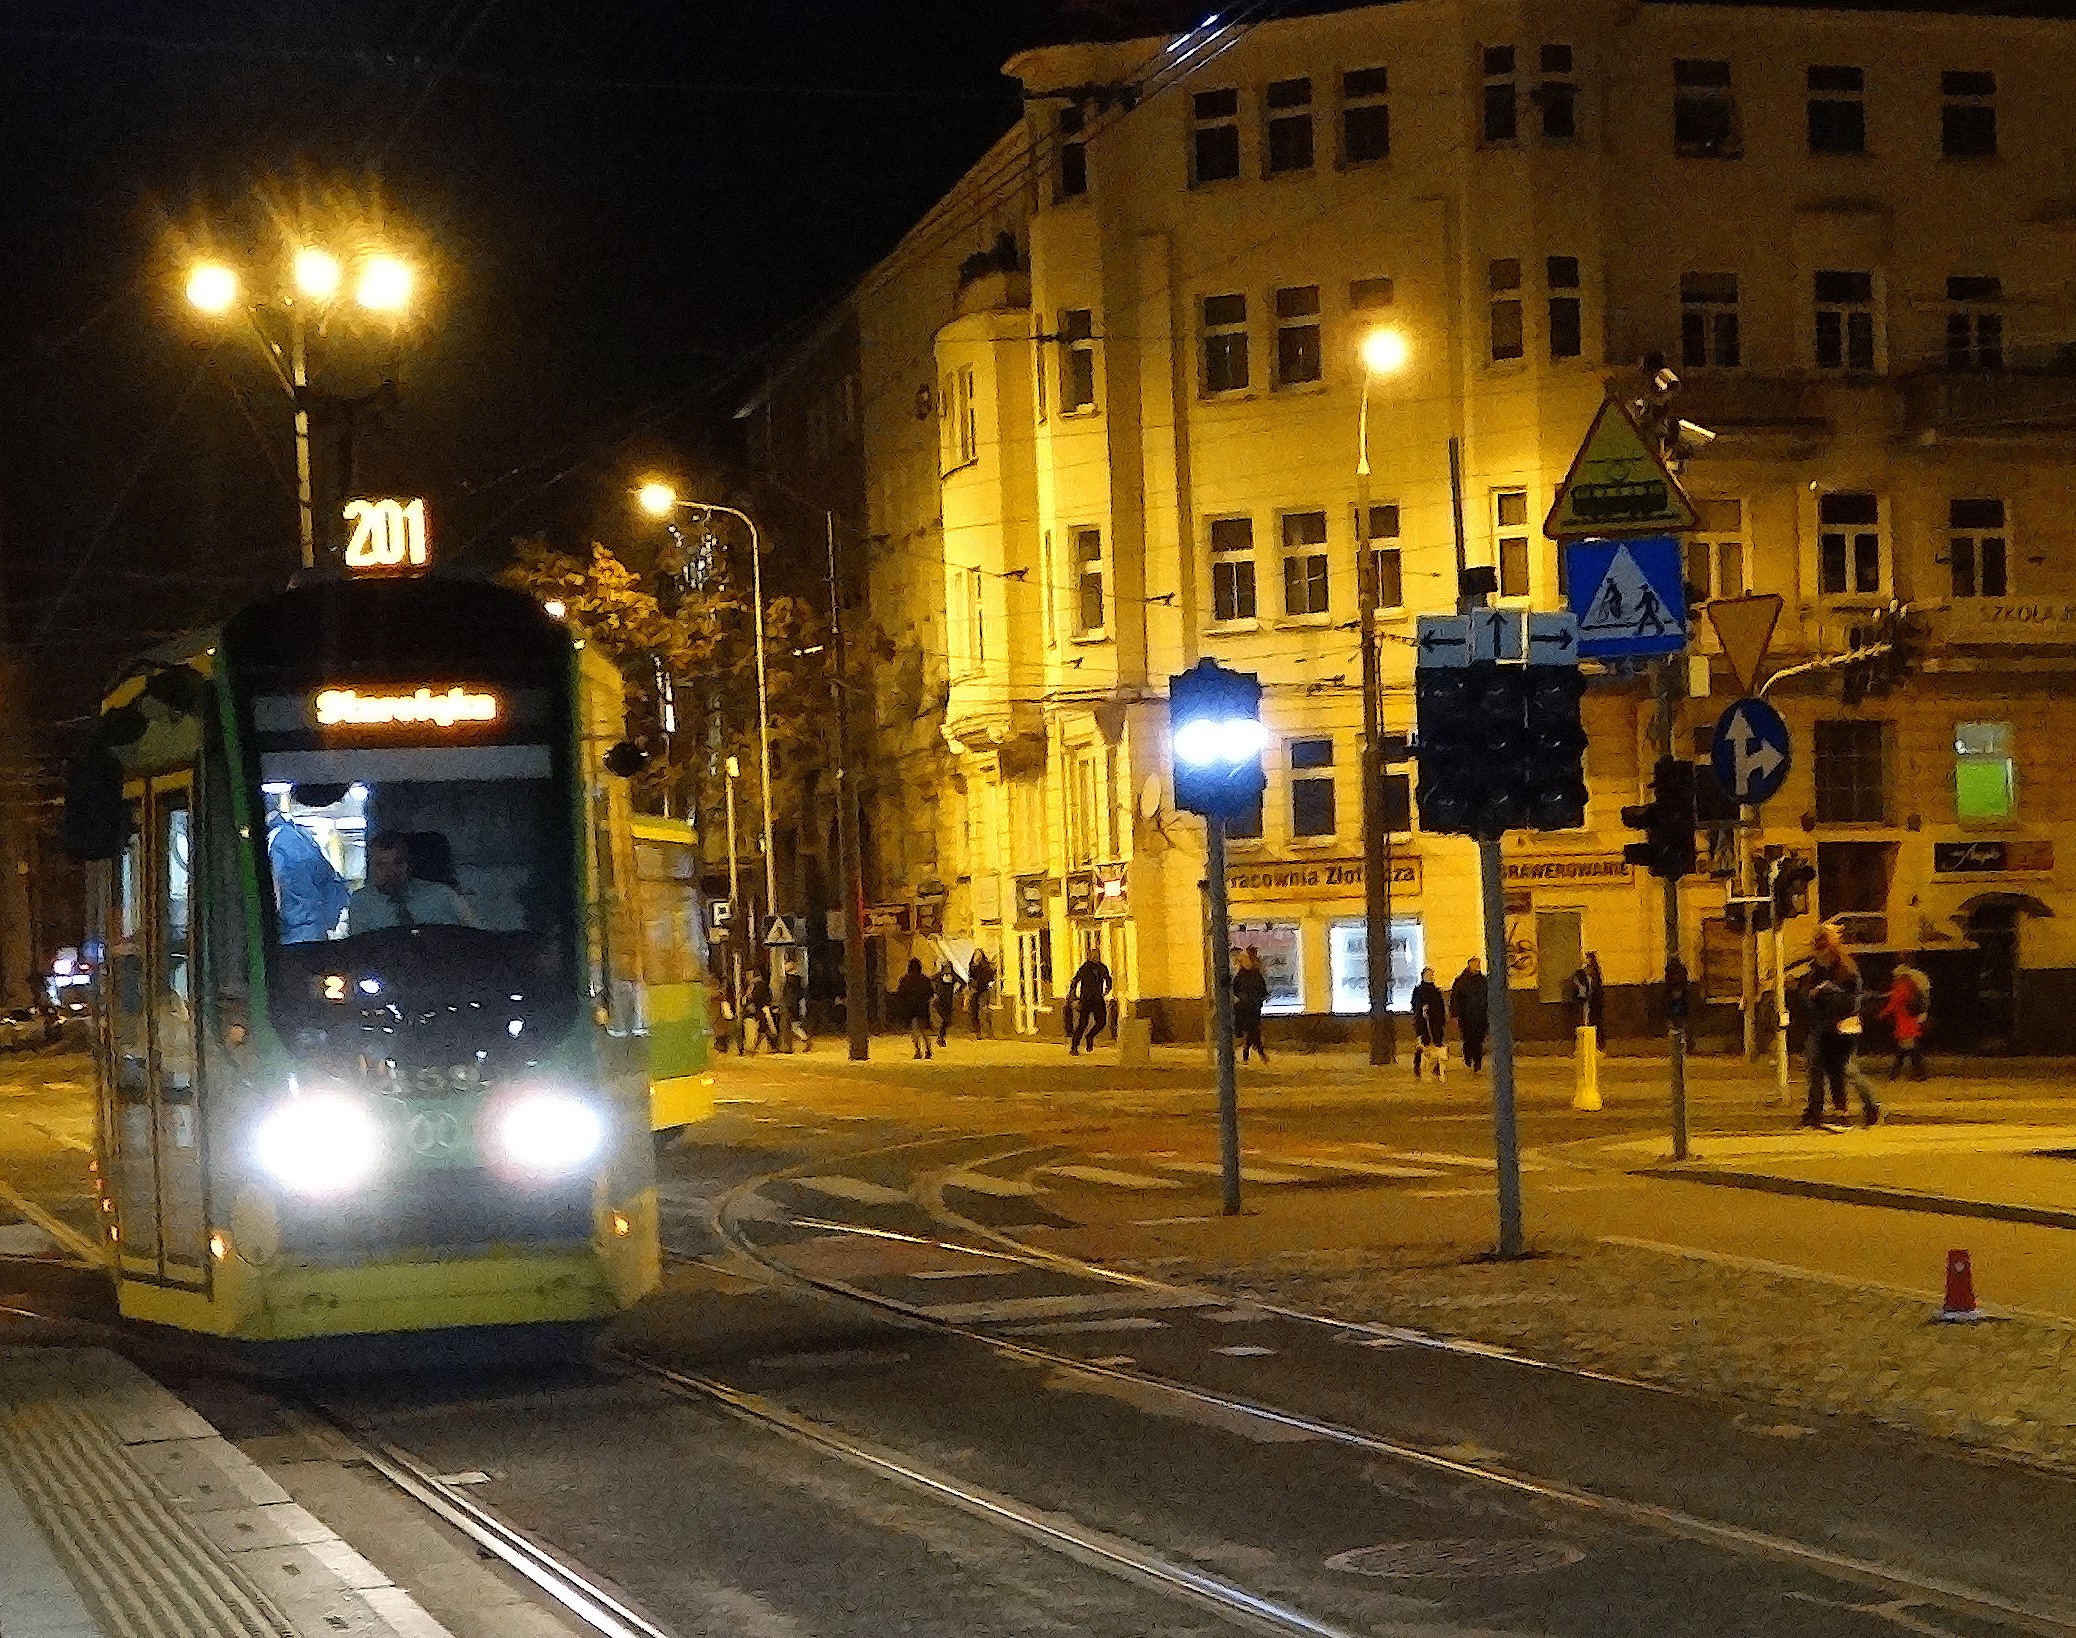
626 759
181 689
96 822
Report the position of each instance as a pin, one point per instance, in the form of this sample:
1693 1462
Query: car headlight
550 1133
322 1143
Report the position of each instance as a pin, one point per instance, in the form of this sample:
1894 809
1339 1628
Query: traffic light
1500 749
1667 821
1501 804
1791 879
1216 737
1553 766
1445 703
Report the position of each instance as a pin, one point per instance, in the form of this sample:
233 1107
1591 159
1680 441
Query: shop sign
888 920
1566 870
2027 856
1285 879
1110 894
1030 901
1081 893
2011 620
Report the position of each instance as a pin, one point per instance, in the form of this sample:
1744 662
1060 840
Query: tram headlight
550 1134
322 1143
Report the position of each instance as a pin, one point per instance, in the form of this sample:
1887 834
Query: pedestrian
1834 1012
980 993
1908 1009
1090 990
793 1005
947 996
1250 995
912 1005
1430 1024
1469 1003
1589 995
760 1008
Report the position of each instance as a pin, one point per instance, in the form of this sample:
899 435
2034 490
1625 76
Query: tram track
728 1217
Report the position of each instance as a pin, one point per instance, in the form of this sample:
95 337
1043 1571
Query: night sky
615 203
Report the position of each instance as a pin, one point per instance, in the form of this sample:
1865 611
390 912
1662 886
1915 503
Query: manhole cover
1456 1558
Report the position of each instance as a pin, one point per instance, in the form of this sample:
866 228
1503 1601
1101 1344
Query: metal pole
735 909
1505 1140
1780 993
299 384
1456 517
857 1025
1222 1017
1748 974
1676 1035
1376 850
763 722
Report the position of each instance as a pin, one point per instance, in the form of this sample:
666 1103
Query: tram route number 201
387 534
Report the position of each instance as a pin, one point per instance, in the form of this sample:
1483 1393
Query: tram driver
393 897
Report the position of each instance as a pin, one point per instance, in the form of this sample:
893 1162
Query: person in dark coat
980 993
912 998
1250 995
1589 994
1430 1024
947 995
1089 991
760 1008
1468 1002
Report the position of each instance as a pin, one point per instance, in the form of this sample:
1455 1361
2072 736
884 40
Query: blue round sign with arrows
1751 752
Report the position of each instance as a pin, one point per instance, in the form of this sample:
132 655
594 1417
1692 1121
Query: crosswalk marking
1367 1168
1060 1328
1250 1174
982 1183
853 1188
1111 1179
1007 1309
995 1273
1244 1350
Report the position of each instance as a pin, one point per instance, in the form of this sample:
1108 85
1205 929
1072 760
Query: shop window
1837 110
1849 544
1557 94
1561 274
1851 773
1853 880
1225 343
1215 136
1708 321
1280 947
1978 551
1312 788
1503 280
1847 337
1502 111
1386 567
1968 114
1560 951
1975 323
1289 108
1704 111
1365 116
1304 563
1297 335
1985 773
1232 569
1348 964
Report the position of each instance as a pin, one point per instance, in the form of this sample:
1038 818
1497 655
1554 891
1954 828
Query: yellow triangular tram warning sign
1618 485
1744 626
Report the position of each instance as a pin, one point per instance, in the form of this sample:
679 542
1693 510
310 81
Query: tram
675 967
372 1055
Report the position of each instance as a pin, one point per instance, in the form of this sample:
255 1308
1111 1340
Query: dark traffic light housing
1791 882
1215 739
1501 749
1667 821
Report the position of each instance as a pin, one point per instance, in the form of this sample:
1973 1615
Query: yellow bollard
1585 1060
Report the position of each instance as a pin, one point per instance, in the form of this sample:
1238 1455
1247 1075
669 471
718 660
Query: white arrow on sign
1496 635
1755 758
1442 642
1553 639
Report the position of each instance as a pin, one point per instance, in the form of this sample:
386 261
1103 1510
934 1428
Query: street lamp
1383 352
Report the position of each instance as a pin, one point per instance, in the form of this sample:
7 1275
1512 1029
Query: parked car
22 1027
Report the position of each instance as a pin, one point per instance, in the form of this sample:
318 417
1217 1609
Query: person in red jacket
1907 1006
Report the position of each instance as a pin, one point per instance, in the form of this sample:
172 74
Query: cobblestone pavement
1783 1343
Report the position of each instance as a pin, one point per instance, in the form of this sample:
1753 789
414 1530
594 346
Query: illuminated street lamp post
384 286
1383 353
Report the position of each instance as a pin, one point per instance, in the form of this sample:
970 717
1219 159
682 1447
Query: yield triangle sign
1744 626
1617 484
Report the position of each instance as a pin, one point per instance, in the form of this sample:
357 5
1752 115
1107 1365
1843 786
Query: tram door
154 1117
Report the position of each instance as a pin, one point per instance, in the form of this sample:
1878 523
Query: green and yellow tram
373 1054
675 988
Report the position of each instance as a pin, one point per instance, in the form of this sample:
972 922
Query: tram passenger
308 890
394 897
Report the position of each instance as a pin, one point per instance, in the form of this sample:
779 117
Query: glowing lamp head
317 273
321 1144
1216 735
385 284
212 288
550 1134
1384 351
656 498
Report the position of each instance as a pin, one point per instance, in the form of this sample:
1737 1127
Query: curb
1866 1194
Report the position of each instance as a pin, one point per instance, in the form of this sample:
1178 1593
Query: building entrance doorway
1033 998
1994 928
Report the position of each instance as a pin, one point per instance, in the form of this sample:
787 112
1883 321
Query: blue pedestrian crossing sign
1630 596
1751 752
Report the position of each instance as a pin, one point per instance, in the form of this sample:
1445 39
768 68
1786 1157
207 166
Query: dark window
1090 612
1845 335
1078 378
1968 115
1850 777
1557 94
1215 141
1225 343
1297 335
1975 324
1365 116
1232 569
1304 563
1562 275
1704 111
1311 787
1073 177
1708 320
1290 126
1510 532
1501 113
1977 549
1385 564
1366 295
1848 544
1504 278
1837 111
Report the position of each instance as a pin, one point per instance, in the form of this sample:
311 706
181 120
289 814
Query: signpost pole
1675 1028
1748 968
1505 1138
1780 992
1222 1016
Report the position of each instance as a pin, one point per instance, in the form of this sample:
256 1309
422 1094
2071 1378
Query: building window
1510 537
1078 366
1091 615
1289 106
1561 273
1225 343
1311 787
1369 295
1853 882
1849 550
1715 551
1038 383
1049 590
1232 569
1974 323
1281 947
1968 114
1557 93
1704 111
1304 563
1708 321
1215 138
1504 279
958 427
1348 962
1978 551
1386 567
1850 774
1846 337
1501 123
974 591
1365 116
1985 773
1297 335
1837 111
1071 182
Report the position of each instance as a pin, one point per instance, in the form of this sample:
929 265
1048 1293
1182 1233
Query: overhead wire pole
1675 1028
857 1026
1377 357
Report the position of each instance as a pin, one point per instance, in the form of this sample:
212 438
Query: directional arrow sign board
1629 596
1744 626
1442 642
1751 752
1618 484
1498 634
1553 639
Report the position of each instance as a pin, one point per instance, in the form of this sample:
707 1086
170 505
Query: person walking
1090 991
1908 1007
1250 995
793 1004
1835 1029
912 998
980 994
947 997
1430 1024
1470 1005
1589 994
760 1008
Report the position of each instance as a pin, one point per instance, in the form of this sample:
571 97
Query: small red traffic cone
1960 1306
